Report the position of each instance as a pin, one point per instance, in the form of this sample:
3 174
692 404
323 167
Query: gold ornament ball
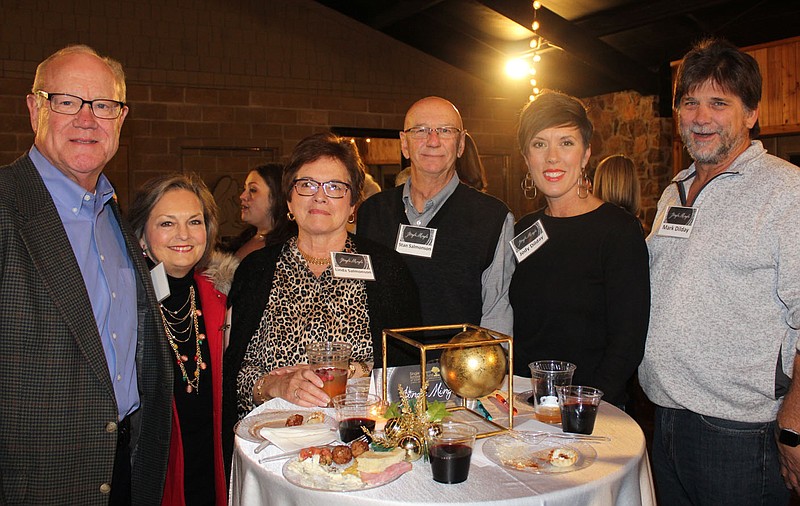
475 371
392 427
412 446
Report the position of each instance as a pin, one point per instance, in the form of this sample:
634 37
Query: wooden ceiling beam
585 47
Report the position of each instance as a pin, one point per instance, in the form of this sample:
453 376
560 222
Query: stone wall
628 123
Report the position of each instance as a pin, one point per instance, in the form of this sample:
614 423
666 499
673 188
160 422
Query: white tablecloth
619 476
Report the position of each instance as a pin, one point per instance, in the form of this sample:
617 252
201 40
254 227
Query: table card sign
410 378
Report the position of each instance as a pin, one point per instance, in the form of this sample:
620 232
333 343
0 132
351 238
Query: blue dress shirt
99 246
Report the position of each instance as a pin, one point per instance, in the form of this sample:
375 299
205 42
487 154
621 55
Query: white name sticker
160 283
528 241
678 222
352 266
417 241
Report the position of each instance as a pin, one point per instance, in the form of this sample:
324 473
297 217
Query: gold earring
290 216
527 185
583 184
352 218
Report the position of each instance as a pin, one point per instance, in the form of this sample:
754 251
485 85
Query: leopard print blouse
303 309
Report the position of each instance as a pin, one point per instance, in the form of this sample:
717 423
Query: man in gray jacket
725 278
85 370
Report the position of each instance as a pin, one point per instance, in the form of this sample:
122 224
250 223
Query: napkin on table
290 439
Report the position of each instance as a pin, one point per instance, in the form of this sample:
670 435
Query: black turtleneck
195 408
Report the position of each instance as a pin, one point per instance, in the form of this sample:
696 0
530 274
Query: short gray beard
723 150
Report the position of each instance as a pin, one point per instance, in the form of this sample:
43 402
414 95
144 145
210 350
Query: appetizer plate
314 476
534 455
249 428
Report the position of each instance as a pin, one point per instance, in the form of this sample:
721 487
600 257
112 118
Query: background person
84 368
584 295
616 182
175 218
286 296
726 298
469 166
263 210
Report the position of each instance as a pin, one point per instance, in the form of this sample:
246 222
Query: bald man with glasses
453 237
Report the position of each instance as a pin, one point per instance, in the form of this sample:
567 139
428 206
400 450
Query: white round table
619 476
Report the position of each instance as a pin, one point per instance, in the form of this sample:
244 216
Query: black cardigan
392 299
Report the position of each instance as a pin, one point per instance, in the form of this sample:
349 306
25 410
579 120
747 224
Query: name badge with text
158 275
528 241
352 266
417 241
678 222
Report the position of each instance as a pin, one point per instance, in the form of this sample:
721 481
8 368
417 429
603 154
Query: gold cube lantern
498 339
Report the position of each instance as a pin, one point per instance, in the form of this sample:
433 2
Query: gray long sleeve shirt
726 301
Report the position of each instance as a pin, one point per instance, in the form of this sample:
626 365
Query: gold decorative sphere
412 445
475 371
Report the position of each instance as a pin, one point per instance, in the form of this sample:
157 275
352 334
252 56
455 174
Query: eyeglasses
63 103
423 132
308 187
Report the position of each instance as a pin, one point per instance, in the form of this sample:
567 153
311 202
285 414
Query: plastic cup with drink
546 375
578 408
354 410
331 362
450 451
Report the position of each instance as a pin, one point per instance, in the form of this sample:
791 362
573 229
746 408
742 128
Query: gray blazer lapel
53 258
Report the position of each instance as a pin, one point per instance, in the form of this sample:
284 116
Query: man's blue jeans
700 460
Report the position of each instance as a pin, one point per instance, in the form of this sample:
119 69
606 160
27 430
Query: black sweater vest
468 226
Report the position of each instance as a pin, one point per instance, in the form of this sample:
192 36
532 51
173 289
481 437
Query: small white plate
249 428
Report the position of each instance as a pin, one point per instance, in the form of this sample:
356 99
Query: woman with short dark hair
584 294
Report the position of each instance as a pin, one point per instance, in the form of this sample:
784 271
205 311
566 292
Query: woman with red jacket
175 218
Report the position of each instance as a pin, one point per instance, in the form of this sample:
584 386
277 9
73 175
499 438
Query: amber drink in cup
546 375
331 362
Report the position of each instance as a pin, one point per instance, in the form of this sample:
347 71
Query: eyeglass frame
319 185
49 97
415 131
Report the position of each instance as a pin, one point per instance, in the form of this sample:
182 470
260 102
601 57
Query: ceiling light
517 68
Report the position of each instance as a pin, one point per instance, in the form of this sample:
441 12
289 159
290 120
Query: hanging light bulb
533 82
537 58
537 5
535 25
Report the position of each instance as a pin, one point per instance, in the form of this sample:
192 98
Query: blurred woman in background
584 295
469 166
263 210
615 181
175 219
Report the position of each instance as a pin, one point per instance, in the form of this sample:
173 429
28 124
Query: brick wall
218 86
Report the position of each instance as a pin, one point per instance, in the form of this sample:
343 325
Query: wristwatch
788 437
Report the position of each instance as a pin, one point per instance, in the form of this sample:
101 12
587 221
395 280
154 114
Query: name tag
528 241
417 241
678 222
158 275
352 266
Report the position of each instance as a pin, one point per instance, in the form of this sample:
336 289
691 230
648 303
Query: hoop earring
352 218
583 184
527 185
290 216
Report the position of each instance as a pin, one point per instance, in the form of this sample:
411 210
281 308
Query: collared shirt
99 247
495 280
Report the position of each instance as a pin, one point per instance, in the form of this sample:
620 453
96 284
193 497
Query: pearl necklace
313 260
171 321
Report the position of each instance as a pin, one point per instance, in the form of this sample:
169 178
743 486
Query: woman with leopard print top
287 296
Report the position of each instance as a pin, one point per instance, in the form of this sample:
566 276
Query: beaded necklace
173 323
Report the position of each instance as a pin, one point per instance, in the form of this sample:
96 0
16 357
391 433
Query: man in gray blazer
85 374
